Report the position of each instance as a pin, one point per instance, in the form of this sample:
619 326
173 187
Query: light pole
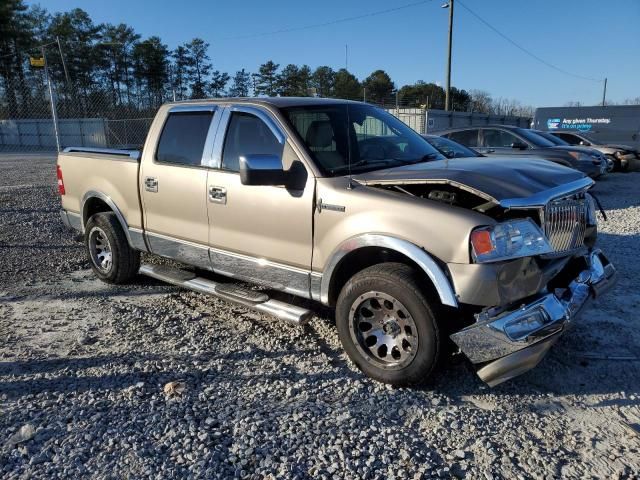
447 98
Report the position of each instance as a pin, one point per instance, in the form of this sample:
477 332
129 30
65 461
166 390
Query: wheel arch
363 251
96 202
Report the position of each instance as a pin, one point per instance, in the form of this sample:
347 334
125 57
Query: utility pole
604 93
397 106
346 57
64 64
364 94
54 113
447 98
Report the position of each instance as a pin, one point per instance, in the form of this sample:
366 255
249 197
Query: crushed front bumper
508 344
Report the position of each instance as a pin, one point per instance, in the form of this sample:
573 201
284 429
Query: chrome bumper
512 342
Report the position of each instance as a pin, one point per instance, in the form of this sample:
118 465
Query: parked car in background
559 141
515 141
449 148
343 204
624 157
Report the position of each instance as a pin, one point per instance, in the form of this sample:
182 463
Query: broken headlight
507 240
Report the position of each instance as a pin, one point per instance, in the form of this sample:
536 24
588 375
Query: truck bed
113 173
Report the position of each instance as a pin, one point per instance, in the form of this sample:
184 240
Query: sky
585 38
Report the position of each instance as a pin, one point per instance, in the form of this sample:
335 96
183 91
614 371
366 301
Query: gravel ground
84 368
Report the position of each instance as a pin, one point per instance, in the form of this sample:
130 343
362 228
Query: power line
520 47
331 22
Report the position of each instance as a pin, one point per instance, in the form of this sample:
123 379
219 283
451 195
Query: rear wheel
111 257
386 325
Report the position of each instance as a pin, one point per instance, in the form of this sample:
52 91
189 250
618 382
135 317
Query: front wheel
386 325
112 258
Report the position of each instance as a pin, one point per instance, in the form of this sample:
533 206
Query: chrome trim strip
265 117
211 135
259 270
137 239
181 250
540 199
131 154
315 288
415 253
106 199
215 159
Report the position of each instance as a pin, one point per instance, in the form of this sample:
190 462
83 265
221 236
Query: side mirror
265 170
262 170
519 145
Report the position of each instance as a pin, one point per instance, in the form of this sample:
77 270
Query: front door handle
217 194
151 184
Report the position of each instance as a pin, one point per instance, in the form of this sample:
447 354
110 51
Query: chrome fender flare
425 261
106 199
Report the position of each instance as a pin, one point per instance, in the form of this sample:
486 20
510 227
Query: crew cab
342 204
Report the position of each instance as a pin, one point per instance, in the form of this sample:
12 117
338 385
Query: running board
248 298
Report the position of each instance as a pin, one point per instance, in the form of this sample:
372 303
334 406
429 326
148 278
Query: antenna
350 183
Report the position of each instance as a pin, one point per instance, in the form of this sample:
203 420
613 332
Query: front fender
425 261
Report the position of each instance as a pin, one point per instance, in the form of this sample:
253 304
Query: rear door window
465 137
495 138
183 137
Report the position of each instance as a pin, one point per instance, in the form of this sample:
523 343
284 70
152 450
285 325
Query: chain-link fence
45 107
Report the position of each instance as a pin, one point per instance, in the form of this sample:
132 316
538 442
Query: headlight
507 240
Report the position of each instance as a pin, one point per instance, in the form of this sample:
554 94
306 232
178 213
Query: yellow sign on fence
36 62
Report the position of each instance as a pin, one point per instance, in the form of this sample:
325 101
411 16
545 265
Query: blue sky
590 38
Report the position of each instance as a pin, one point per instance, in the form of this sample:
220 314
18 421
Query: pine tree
267 79
241 84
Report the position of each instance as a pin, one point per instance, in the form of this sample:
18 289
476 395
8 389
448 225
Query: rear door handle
151 184
217 194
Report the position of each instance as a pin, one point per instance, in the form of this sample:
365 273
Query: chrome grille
565 222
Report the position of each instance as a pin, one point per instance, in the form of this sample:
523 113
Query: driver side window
247 135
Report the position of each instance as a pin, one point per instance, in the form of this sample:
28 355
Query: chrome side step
248 298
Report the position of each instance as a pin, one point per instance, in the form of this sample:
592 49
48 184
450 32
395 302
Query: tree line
106 70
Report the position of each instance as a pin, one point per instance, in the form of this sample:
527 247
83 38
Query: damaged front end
504 343
533 267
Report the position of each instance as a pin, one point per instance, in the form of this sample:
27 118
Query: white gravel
84 365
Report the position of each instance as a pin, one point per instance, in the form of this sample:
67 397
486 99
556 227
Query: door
258 233
173 185
495 141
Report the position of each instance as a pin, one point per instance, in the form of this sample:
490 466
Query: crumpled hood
499 178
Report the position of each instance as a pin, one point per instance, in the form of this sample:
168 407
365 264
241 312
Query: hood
620 146
493 178
574 148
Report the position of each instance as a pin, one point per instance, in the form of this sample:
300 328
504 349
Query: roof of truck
278 102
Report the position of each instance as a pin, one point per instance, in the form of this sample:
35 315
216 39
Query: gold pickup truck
341 203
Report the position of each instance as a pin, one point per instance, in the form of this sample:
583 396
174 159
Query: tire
368 348
110 256
617 164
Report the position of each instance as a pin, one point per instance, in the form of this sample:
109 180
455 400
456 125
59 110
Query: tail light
60 180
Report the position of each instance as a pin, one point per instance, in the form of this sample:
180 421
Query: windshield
451 149
552 138
534 138
367 137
